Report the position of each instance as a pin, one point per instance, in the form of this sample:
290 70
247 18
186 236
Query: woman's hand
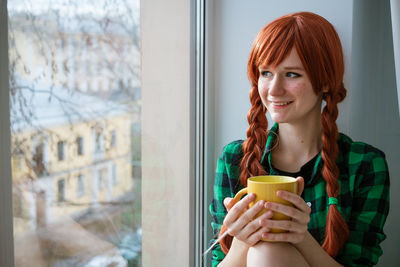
299 214
240 220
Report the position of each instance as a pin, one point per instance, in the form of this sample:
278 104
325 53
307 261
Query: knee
274 254
266 249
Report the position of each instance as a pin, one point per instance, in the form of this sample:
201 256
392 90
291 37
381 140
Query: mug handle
237 197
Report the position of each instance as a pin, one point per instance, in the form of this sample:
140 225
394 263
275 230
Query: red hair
320 50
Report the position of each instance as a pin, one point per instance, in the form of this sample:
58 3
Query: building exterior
75 98
71 167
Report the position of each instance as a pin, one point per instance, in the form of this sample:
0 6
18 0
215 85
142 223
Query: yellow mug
265 188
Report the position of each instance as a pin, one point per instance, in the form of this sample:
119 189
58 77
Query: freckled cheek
262 89
299 89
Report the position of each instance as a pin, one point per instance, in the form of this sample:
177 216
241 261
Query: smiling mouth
281 104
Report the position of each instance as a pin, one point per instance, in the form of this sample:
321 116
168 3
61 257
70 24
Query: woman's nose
276 86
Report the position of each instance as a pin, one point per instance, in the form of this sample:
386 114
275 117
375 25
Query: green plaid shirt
363 198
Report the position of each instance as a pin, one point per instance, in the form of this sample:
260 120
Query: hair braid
336 230
254 145
253 148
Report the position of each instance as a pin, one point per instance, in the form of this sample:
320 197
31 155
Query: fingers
300 183
227 203
235 209
253 238
295 214
251 232
291 226
296 200
240 220
248 216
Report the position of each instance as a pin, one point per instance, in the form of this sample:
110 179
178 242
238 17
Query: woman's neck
298 143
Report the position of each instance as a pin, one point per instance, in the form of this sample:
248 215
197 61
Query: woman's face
287 93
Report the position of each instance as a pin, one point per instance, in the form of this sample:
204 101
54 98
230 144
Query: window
100 179
161 175
113 138
59 54
61 190
114 174
38 159
79 146
98 140
60 150
80 190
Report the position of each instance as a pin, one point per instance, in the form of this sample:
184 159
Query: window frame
188 15
178 59
6 220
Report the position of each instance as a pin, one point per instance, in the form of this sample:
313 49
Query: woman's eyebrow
293 68
285 68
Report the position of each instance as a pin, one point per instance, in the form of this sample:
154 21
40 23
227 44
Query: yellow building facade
86 164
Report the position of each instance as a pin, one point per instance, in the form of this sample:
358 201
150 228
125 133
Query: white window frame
173 98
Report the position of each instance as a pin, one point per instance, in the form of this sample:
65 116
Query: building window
81 185
79 145
100 179
38 159
61 190
98 140
61 150
113 138
114 174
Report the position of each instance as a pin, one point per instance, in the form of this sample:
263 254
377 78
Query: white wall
232 26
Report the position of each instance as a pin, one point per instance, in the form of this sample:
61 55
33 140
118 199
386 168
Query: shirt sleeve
225 185
369 211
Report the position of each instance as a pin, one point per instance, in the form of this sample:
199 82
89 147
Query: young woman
296 64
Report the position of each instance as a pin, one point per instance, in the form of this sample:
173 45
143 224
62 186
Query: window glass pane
79 145
76 132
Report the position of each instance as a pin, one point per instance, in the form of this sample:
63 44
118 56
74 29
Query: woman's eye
266 73
292 75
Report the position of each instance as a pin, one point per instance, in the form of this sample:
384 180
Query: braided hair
320 50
